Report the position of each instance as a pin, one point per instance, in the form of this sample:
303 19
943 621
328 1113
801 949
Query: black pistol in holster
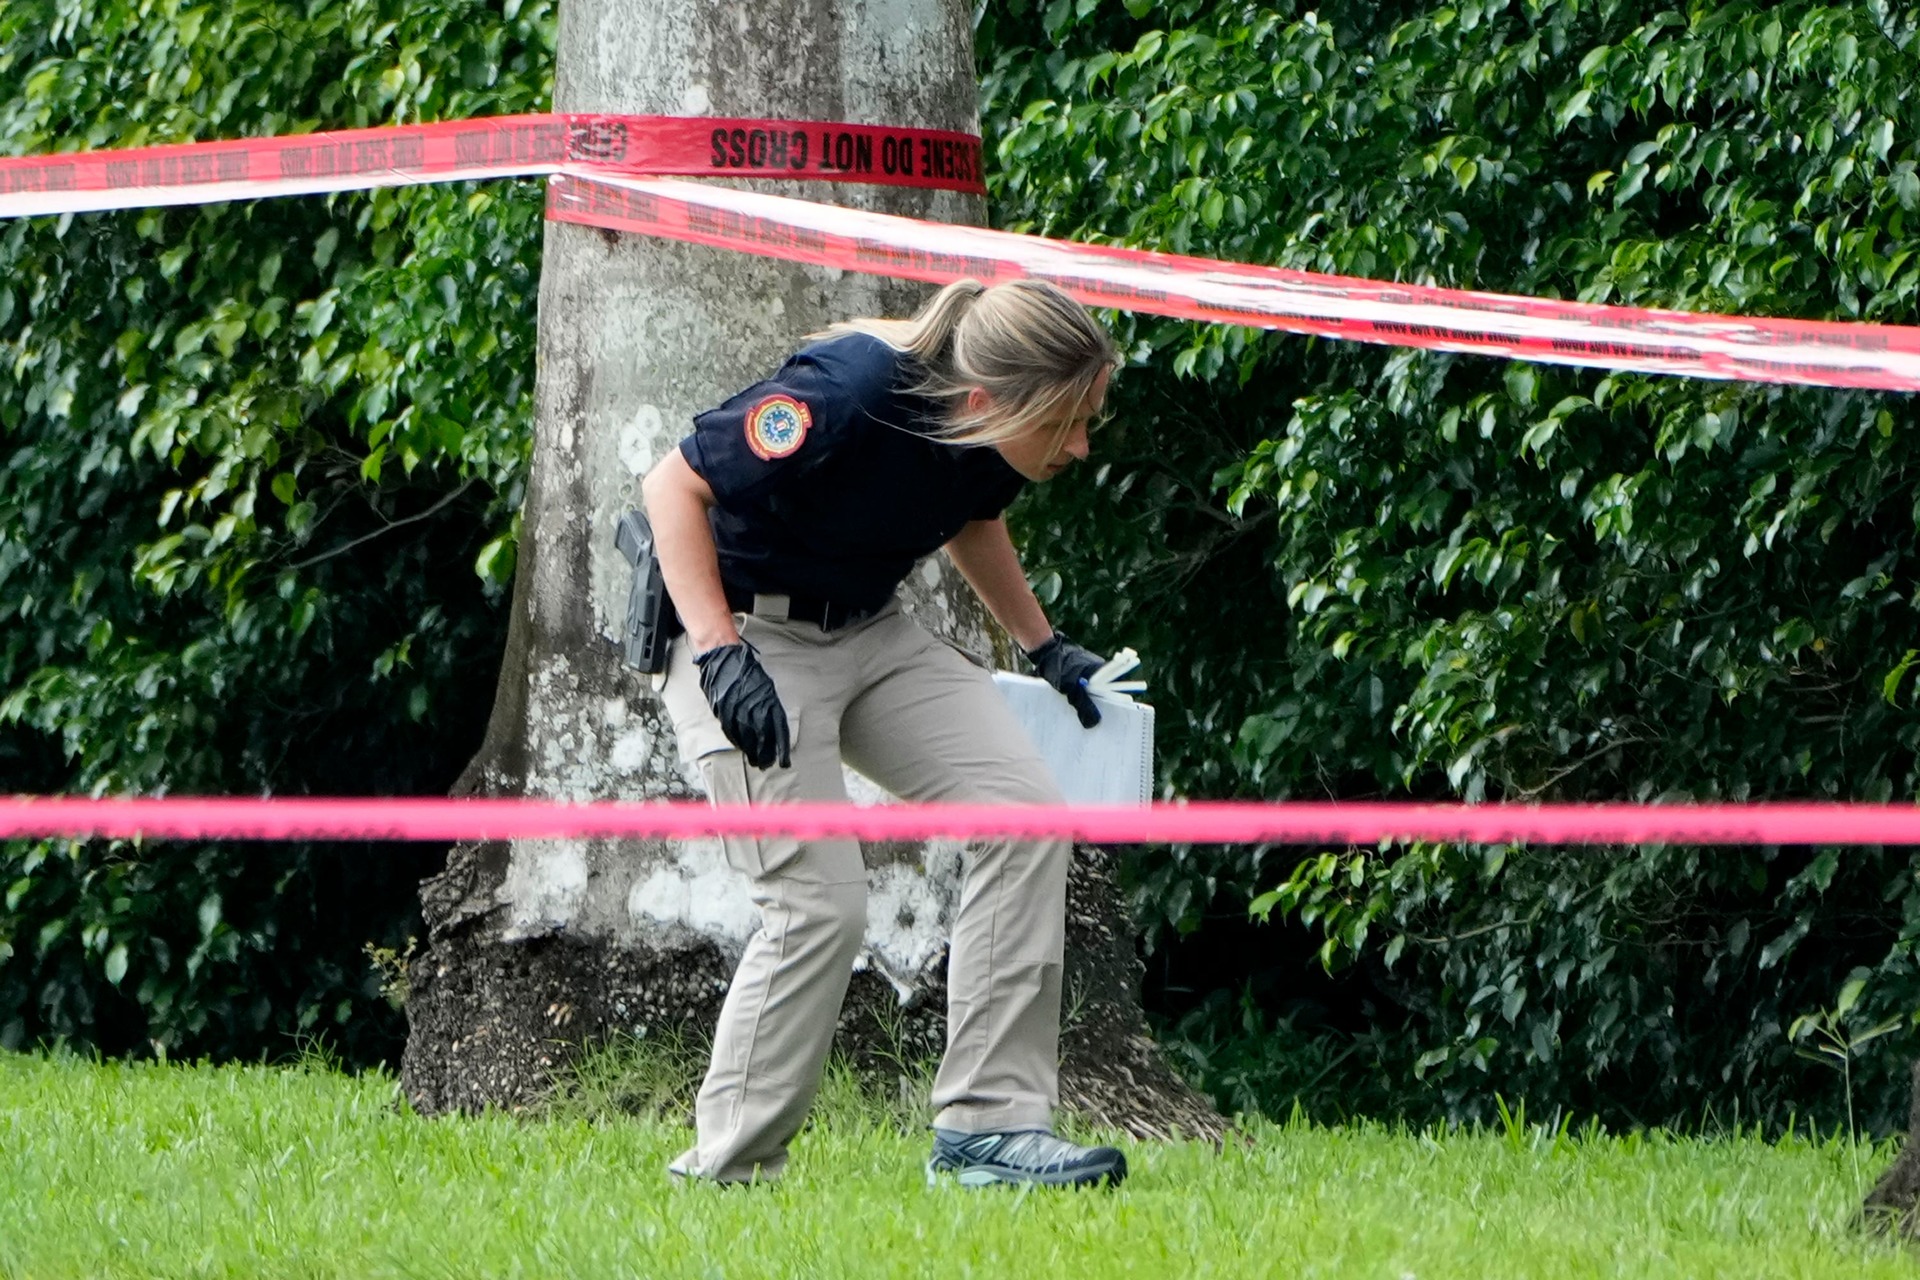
652 620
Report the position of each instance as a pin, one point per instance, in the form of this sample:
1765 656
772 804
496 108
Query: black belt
828 615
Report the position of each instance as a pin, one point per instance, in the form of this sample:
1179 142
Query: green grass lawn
147 1170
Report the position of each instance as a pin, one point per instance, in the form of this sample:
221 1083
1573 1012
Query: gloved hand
1066 666
741 693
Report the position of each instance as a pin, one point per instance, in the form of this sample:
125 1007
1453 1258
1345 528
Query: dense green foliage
249 1171
1451 576
252 452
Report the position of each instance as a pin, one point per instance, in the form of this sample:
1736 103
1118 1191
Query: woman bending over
784 524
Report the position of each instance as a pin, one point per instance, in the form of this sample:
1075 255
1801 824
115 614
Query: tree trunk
1894 1202
539 946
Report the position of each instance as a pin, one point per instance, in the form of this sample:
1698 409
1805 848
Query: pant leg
929 725
777 1023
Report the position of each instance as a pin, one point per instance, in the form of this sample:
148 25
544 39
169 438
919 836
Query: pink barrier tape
1815 353
489 147
1203 822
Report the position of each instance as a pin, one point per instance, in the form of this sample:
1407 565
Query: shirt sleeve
994 503
994 484
773 433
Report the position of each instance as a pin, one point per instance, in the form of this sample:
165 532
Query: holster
652 620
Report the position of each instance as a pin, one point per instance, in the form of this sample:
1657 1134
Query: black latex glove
1066 666
741 693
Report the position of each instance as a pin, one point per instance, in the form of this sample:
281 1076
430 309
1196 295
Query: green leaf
323 250
1522 383
1574 108
495 563
1632 179
1775 951
1904 182
1890 685
300 516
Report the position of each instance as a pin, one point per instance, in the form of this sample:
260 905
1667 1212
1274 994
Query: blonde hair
1035 352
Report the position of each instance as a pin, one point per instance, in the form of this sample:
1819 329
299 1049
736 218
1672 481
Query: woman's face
1044 452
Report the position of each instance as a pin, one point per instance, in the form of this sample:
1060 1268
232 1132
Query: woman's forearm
677 501
984 554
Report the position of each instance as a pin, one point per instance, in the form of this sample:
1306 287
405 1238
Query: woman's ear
977 401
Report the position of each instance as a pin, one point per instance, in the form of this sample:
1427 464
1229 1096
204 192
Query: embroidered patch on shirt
777 426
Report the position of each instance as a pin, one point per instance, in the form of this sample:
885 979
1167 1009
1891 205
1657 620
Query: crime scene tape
1815 353
1206 822
588 153
491 147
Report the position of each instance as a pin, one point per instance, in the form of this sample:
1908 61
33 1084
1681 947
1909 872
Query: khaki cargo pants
914 715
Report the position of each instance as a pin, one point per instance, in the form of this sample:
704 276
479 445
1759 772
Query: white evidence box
1111 763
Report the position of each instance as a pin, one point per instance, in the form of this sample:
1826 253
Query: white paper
1111 763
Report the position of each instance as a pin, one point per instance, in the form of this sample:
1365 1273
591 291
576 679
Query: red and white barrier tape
1817 353
495 147
591 150
1362 823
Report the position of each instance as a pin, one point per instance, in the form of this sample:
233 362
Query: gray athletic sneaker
1022 1155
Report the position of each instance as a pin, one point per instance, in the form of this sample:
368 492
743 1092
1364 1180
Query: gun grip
650 614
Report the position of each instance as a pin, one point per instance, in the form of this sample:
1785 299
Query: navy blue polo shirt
830 480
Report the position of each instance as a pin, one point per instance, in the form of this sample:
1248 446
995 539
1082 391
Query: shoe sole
976 1176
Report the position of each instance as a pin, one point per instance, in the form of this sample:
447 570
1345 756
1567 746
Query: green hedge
254 455
1363 572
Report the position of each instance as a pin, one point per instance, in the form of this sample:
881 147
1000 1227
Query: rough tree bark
1894 1202
538 947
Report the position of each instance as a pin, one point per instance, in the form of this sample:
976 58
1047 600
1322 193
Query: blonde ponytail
1035 352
